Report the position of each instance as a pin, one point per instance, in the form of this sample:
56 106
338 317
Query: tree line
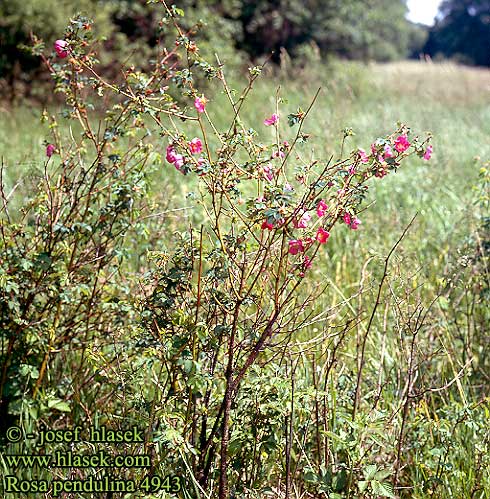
250 29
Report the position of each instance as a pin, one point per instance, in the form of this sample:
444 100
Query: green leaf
369 471
382 474
27 370
384 489
59 405
362 485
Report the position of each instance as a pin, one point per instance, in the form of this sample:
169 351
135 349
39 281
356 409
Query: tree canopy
462 32
237 29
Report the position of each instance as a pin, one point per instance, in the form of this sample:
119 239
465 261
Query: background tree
367 29
44 18
462 31
239 30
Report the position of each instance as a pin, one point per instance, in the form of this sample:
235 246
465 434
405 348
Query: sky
423 11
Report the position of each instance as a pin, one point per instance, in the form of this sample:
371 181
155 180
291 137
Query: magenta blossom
355 223
302 223
176 159
272 120
322 235
402 143
61 48
388 152
363 156
352 222
200 103
268 172
322 208
307 262
296 246
50 148
428 153
179 161
267 225
170 155
195 145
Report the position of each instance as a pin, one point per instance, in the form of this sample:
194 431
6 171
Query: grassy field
434 270
450 101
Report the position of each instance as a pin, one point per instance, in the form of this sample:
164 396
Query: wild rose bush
225 295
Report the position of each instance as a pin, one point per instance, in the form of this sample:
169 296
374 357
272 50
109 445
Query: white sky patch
423 11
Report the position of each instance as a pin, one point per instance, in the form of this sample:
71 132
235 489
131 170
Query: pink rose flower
355 223
268 172
179 161
388 152
61 48
321 209
296 246
170 154
272 120
278 154
267 225
402 143
322 235
200 103
352 222
50 148
362 155
302 223
428 153
195 145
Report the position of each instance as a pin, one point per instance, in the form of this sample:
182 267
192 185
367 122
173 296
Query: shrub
203 358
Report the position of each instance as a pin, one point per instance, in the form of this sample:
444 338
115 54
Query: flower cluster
278 207
182 162
302 220
350 221
385 155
